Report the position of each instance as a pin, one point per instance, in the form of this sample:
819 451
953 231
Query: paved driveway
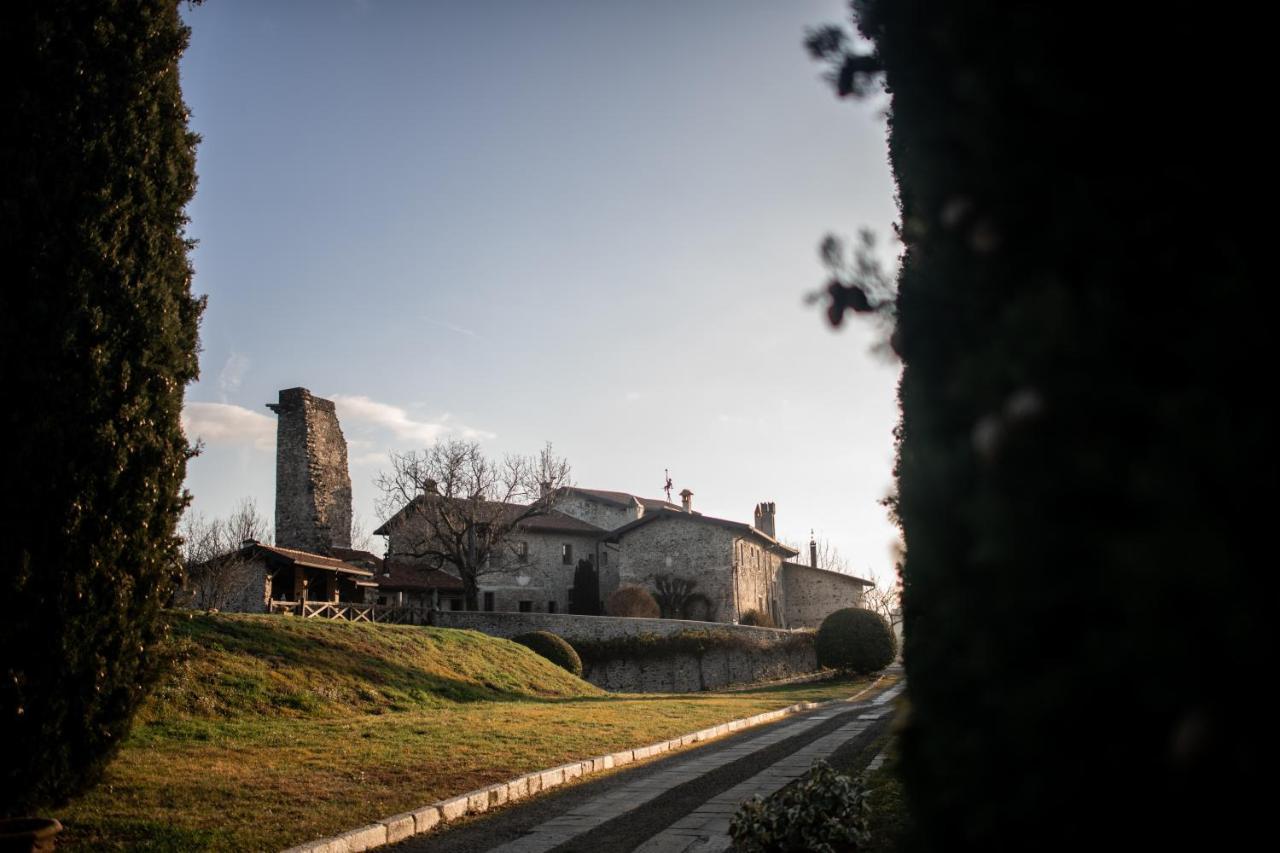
677 804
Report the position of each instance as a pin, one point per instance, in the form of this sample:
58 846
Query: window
566 554
604 558
551 607
488 602
522 552
526 607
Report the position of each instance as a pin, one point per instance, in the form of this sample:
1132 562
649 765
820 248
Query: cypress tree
1082 322
98 335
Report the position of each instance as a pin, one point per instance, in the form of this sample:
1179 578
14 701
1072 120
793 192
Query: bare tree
452 506
885 598
361 536
215 574
829 557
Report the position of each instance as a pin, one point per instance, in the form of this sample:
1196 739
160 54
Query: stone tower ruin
313 486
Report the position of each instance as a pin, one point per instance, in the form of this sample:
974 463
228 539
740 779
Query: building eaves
854 578
736 526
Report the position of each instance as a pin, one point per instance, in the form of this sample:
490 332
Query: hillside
241 666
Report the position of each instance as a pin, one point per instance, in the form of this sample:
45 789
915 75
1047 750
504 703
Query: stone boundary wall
713 670
574 627
680 673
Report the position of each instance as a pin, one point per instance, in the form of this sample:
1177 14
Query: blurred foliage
98 340
1085 430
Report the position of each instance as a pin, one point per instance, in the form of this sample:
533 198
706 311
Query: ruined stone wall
813 594
685 549
605 515
313 486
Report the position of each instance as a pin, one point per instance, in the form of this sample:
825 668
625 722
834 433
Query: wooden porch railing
346 611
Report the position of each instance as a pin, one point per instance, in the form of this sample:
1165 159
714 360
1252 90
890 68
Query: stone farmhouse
724 569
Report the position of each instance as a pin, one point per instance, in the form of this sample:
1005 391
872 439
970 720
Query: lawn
269 731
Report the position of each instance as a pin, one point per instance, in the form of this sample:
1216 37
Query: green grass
269 731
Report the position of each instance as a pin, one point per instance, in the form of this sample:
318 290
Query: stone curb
399 827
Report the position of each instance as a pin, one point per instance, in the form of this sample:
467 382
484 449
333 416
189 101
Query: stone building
598 538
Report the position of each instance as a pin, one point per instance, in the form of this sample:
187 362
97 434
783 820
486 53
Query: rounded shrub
633 601
855 640
554 648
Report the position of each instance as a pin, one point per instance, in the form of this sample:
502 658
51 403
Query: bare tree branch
452 507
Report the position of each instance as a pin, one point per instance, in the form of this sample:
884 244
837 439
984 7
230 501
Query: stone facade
733 566
313 487
812 594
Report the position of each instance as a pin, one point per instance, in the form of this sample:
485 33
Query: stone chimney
813 551
686 500
764 518
313 486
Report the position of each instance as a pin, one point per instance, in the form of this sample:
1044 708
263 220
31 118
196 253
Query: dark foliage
673 595
694 643
1082 322
633 601
758 618
822 812
97 341
855 640
554 648
584 598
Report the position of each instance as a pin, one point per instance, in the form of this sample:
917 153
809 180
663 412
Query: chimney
686 500
813 551
544 489
764 518
431 487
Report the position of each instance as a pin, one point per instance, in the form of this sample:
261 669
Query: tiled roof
491 510
697 517
356 556
415 578
558 522
314 561
625 498
852 578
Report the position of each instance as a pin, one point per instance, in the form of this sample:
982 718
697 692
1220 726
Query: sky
589 223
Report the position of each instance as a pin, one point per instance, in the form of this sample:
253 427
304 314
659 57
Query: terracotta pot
28 834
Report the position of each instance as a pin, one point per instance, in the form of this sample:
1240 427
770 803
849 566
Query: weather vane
667 487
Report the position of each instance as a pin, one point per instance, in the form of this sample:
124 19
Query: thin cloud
459 329
227 424
232 374
358 409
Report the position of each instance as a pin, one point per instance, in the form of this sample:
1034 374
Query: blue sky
590 223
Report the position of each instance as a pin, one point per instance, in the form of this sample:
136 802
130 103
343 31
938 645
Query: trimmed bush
855 640
633 601
554 648
758 619
823 812
98 339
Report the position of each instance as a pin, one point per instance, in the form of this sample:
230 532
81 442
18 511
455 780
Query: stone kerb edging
399 827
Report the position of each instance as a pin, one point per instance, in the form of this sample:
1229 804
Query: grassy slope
270 731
